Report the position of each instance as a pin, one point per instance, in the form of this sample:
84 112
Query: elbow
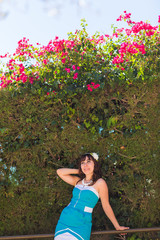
58 172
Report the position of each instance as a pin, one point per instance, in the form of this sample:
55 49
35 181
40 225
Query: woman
75 221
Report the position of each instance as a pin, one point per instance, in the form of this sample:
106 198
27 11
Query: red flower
45 61
89 88
63 60
92 86
31 80
67 69
120 18
96 86
74 68
75 76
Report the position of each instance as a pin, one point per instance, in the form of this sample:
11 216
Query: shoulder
101 184
102 189
101 181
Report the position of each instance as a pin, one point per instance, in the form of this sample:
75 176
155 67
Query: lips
86 169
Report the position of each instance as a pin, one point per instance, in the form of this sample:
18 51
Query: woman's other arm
104 196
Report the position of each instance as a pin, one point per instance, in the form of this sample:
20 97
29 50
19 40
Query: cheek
92 165
81 168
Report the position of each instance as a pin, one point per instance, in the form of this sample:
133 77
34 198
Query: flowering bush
84 94
71 65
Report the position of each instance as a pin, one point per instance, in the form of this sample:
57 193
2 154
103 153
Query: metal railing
136 230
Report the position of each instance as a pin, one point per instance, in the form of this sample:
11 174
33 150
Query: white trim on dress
82 187
69 230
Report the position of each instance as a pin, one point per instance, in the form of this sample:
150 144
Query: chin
87 172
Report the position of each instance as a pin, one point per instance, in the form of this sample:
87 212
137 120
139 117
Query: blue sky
34 20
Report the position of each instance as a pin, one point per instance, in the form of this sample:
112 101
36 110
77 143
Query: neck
88 177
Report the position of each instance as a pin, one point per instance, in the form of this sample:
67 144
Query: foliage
84 94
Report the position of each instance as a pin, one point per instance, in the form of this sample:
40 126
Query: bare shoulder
101 184
102 189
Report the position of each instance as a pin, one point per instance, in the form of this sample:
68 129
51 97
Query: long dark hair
97 170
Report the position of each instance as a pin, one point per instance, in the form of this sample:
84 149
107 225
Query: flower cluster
137 27
92 86
72 61
128 48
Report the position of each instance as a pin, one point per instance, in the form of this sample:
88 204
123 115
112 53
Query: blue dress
75 221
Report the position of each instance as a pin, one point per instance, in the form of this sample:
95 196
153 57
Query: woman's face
87 166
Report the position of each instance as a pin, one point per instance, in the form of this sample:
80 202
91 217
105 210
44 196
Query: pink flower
63 60
149 33
128 31
120 30
96 86
78 68
31 80
47 93
92 86
1 56
118 59
45 61
75 76
115 34
73 67
120 18
127 15
159 19
67 70
89 88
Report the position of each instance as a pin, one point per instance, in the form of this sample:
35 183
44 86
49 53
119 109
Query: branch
49 150
127 156
118 130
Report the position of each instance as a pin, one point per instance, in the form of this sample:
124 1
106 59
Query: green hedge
51 115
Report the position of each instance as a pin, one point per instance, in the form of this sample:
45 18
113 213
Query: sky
41 20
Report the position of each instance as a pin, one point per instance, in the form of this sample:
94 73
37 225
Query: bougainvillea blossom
92 86
75 76
73 67
68 70
74 56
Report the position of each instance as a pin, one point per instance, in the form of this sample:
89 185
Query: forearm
110 214
67 171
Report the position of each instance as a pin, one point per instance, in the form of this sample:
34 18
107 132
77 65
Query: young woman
75 221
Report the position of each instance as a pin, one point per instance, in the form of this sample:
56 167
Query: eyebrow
85 160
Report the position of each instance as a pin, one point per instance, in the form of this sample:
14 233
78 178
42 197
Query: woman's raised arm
66 174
